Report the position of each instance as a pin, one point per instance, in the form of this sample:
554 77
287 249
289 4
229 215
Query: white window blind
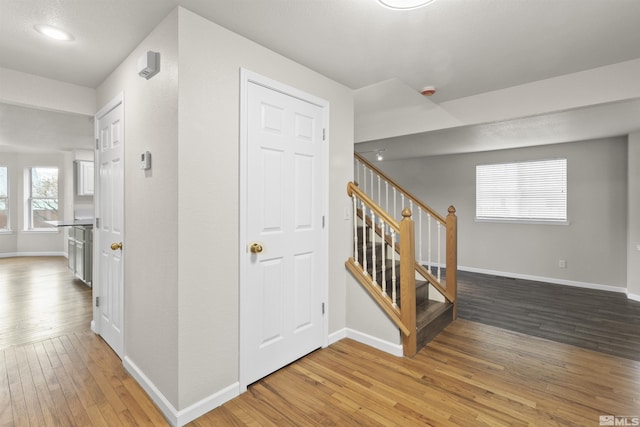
522 191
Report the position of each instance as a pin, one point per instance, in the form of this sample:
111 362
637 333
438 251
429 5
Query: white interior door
282 289
108 233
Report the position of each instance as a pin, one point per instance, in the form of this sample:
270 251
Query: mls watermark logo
616 420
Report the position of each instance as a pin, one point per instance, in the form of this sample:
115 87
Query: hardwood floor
598 320
39 299
71 380
472 374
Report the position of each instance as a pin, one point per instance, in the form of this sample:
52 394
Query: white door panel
282 312
110 226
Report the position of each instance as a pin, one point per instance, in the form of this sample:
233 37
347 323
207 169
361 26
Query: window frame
7 200
29 223
520 218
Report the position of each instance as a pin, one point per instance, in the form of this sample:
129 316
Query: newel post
408 283
451 277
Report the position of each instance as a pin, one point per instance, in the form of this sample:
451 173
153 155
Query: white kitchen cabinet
84 178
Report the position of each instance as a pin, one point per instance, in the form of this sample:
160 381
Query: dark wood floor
40 299
603 321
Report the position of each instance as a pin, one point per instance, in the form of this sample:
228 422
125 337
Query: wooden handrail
388 219
406 193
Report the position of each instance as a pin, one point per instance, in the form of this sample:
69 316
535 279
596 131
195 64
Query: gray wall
593 244
633 249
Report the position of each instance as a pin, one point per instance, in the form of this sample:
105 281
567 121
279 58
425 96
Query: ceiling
462 47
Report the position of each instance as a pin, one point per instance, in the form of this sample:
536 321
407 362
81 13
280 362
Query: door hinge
97 301
97 143
322 221
322 308
97 222
324 134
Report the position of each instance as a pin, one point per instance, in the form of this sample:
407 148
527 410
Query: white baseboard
174 417
17 254
371 341
546 279
337 336
634 297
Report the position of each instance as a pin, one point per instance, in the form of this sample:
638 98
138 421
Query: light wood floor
39 299
472 374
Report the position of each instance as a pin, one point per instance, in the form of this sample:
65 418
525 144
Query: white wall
19 242
151 212
633 236
594 244
210 62
616 82
181 218
34 91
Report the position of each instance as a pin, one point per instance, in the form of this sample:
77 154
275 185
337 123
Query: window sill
522 221
6 231
41 231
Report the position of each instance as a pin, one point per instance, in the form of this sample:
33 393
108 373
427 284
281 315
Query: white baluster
372 189
379 201
373 248
420 235
355 229
394 204
384 257
402 199
386 197
358 171
393 268
429 242
364 239
439 245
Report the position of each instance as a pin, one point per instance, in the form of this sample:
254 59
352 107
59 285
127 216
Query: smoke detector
428 90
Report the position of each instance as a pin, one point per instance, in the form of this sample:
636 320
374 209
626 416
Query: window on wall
4 198
531 191
42 204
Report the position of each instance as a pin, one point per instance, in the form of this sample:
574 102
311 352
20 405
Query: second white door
282 309
108 233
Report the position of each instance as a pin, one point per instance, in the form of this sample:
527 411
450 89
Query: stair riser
437 325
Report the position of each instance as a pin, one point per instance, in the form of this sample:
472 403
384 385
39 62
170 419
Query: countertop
72 223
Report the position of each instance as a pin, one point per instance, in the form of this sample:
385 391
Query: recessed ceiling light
404 4
53 32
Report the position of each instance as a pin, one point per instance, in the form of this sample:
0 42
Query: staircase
431 316
413 291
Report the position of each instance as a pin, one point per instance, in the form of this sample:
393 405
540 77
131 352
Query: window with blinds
528 191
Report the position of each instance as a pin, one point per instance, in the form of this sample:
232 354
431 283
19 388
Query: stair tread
429 310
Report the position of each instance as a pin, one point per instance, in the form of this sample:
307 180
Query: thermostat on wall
145 160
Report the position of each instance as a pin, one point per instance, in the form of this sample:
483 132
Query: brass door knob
116 246
256 248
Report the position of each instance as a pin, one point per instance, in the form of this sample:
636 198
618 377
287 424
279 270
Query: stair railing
436 238
396 241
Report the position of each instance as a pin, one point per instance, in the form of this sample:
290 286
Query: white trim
552 280
336 336
247 77
174 417
17 254
633 297
366 339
